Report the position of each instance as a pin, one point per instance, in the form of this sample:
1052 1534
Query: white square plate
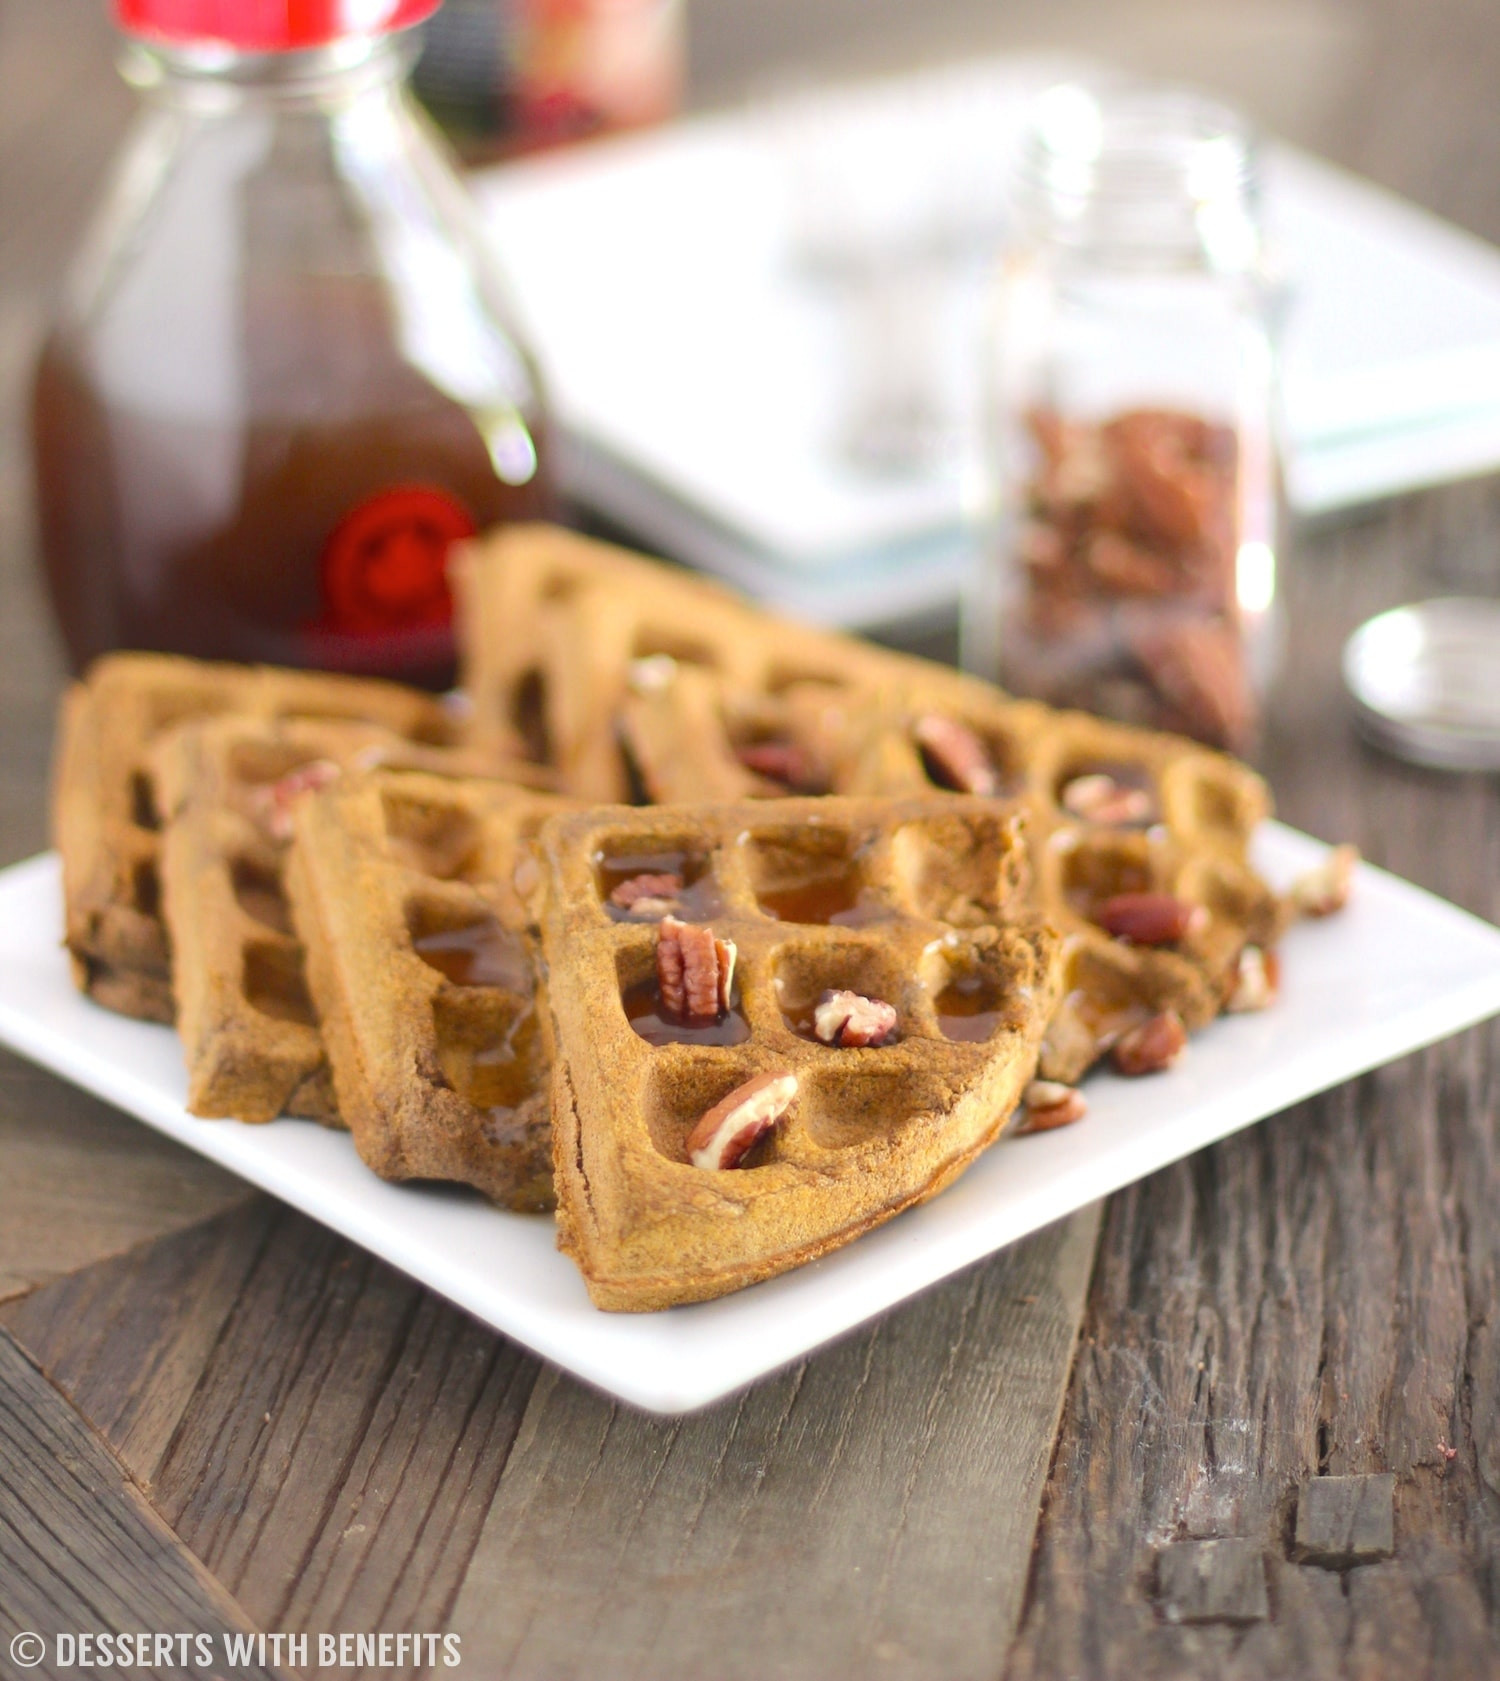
1397 970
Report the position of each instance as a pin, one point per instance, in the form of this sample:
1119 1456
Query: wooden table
216 1416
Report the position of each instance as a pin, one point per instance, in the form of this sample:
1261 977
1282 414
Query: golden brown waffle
226 787
421 963
105 813
1179 823
553 626
918 903
1113 811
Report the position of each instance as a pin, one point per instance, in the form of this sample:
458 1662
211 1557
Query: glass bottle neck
214 79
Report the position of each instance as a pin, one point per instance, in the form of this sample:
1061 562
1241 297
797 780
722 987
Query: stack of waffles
730 936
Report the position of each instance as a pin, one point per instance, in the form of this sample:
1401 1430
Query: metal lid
1426 682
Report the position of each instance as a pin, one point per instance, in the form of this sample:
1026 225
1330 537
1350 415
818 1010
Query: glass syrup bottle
282 379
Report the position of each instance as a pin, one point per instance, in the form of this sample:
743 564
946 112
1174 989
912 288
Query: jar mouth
1135 168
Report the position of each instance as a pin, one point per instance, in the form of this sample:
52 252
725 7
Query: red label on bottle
385 566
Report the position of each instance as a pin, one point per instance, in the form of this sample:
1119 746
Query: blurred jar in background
1130 566
282 379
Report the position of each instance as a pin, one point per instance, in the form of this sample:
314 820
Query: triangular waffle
225 788
421 963
106 817
915 904
554 626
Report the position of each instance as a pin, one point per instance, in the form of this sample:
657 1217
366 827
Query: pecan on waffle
721 1116
552 627
1140 846
409 894
106 817
226 789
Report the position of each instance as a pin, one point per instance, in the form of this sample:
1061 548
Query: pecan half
1325 888
958 758
730 1130
647 895
1255 981
786 762
694 971
1198 666
849 1019
1049 1104
1126 568
272 802
1154 1045
1150 919
1098 798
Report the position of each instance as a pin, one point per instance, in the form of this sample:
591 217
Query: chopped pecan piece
694 971
786 762
1049 1103
1255 981
736 1123
1099 799
1325 888
958 758
1150 919
647 895
849 1019
1154 1045
272 802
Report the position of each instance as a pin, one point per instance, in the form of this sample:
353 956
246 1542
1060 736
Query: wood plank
80 1550
83 1181
126 1342
869 1512
330 1439
323 1433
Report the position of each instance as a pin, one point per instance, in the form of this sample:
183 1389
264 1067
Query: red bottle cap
268 25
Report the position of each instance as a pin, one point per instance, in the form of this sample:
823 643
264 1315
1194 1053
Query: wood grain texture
81 1181
1314 1296
80 1550
336 1445
845 1518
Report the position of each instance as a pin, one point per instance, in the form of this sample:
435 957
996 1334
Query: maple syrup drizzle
834 894
479 953
698 900
968 1008
647 1016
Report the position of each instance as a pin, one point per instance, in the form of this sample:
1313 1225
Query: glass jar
1129 566
282 378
